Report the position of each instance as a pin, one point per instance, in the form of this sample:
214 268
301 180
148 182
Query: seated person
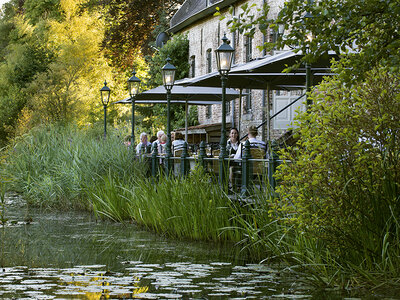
162 143
233 143
143 144
254 142
178 143
158 139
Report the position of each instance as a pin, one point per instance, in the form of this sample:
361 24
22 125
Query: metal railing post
202 155
272 161
184 160
246 169
154 162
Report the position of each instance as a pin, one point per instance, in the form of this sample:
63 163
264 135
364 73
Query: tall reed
52 165
188 207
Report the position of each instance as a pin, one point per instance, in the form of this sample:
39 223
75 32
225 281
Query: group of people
233 147
160 142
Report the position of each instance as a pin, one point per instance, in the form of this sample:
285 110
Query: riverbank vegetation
335 215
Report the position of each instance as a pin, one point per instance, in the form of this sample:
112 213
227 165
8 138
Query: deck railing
242 172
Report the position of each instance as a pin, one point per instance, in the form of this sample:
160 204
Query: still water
68 255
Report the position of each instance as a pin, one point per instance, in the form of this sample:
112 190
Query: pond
70 255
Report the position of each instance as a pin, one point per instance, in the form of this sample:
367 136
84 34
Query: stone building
204 30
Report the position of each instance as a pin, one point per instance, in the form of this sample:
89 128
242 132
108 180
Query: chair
215 163
177 162
258 166
258 169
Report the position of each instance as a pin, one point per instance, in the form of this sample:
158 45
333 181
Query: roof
194 10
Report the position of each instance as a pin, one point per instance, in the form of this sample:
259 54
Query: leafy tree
155 116
342 183
24 54
68 90
129 27
36 10
369 28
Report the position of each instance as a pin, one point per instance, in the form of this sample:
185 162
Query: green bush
340 184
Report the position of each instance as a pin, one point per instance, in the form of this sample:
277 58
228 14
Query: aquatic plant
53 165
188 207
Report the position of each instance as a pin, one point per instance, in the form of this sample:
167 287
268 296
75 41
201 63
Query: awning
186 93
183 95
266 73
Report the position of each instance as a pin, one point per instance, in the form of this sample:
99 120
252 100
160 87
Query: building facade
196 19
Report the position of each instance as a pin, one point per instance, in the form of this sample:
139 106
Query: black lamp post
224 55
105 98
133 86
168 75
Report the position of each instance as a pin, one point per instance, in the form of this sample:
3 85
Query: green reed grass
53 165
182 207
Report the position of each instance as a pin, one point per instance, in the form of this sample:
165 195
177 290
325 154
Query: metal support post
133 125
169 142
105 121
308 84
272 162
202 155
223 154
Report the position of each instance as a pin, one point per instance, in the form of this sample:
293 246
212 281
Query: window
273 35
228 107
209 61
280 100
248 45
208 111
247 102
192 66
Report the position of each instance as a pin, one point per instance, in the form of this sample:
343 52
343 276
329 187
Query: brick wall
206 34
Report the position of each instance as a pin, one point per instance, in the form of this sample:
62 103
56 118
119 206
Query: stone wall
206 34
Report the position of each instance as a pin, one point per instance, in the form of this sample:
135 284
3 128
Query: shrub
341 185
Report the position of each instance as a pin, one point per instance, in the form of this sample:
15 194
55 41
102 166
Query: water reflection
70 255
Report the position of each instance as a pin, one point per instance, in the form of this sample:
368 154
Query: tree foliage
129 27
342 183
155 116
368 29
51 64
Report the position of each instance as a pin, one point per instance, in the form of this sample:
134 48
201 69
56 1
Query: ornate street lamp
105 98
168 75
224 55
133 86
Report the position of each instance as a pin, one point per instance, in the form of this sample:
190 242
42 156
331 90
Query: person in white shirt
254 142
233 143
158 141
162 144
144 143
